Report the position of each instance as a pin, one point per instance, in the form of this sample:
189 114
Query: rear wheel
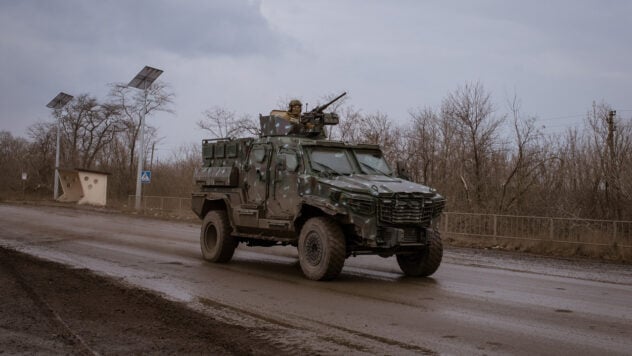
423 263
215 240
321 249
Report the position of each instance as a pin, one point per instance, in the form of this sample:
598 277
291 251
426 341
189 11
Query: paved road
479 302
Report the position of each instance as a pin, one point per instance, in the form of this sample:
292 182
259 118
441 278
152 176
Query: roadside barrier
484 229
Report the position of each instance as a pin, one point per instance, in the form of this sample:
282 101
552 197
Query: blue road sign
145 177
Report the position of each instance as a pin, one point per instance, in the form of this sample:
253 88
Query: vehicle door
283 202
258 174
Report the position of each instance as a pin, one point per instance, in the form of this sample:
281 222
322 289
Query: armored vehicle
330 199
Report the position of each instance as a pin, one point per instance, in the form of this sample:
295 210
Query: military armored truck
330 199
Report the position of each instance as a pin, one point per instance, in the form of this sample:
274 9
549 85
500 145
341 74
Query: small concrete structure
83 186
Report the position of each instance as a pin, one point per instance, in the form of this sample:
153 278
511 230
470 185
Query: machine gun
314 120
321 108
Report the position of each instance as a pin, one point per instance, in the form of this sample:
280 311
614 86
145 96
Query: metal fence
486 228
499 228
178 205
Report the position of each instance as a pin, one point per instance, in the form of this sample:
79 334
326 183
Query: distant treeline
481 158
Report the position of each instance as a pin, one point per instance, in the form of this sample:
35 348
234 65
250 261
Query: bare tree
221 122
41 154
87 127
611 148
173 175
123 150
131 104
13 151
349 127
528 157
376 128
424 145
470 109
567 178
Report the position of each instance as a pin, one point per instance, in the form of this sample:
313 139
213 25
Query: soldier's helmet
293 103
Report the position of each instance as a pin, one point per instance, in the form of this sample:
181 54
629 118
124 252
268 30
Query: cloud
79 46
246 54
189 28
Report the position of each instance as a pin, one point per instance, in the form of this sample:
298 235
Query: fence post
614 232
551 229
495 229
445 223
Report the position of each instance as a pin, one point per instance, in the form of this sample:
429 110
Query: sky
248 56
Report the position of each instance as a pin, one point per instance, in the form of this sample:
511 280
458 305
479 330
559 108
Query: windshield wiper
373 168
328 169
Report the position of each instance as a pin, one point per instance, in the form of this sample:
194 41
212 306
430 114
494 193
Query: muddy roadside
48 308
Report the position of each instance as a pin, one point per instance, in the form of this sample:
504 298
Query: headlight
364 206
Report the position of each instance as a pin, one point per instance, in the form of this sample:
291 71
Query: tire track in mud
111 317
313 336
54 320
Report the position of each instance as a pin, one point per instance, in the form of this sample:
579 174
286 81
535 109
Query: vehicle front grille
401 235
409 209
410 235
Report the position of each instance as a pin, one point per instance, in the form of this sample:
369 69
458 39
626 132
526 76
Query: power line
562 117
573 116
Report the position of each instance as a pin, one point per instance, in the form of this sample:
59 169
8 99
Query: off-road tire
215 241
321 249
423 263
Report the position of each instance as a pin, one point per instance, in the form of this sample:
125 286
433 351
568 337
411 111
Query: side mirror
259 154
291 162
287 161
402 172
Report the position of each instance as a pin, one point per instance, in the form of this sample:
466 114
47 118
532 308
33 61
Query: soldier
295 108
293 114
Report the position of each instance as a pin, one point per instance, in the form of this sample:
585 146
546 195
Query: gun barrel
320 109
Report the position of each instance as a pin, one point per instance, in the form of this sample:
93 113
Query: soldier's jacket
285 115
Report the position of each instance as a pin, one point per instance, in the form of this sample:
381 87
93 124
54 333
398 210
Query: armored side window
259 154
231 150
219 150
207 153
290 159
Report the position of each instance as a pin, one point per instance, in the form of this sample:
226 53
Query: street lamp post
57 103
143 80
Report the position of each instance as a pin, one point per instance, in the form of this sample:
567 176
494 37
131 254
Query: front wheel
423 263
321 249
215 240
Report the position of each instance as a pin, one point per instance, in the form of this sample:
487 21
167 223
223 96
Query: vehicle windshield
372 162
330 160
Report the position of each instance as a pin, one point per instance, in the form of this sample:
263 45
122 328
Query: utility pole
143 80
57 104
151 162
611 129
612 183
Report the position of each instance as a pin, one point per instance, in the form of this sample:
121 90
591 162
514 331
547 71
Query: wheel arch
203 204
307 212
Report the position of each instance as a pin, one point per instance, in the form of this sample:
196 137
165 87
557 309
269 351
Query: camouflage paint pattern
271 185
